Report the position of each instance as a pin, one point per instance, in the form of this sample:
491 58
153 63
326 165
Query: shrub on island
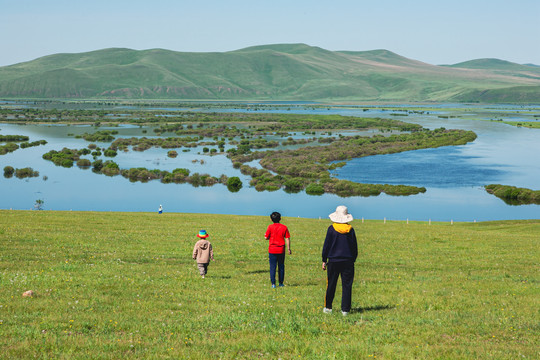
13 138
294 185
64 158
97 166
9 147
314 189
110 168
26 173
99 136
8 171
234 184
84 163
110 153
513 195
25 145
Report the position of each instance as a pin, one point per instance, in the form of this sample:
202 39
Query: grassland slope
123 285
282 71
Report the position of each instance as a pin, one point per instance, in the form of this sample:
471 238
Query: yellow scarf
342 228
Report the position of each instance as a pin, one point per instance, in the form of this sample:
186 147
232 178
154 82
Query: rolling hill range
271 72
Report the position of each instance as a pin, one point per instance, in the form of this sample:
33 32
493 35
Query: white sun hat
341 215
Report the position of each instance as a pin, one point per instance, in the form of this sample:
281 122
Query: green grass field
123 285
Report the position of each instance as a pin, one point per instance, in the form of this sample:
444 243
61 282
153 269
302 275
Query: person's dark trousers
334 270
279 261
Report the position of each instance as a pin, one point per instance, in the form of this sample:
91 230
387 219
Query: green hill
496 64
501 67
270 72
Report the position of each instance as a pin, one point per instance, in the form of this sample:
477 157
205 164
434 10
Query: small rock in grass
29 293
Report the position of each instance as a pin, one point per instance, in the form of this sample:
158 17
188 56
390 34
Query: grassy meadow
123 285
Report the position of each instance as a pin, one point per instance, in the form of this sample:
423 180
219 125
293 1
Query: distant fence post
429 221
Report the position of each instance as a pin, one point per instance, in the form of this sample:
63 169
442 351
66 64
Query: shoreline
355 221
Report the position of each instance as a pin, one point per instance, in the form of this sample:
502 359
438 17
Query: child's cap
203 234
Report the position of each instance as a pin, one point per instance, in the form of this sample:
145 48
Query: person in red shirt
278 236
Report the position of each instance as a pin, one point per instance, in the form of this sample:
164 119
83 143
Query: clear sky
432 31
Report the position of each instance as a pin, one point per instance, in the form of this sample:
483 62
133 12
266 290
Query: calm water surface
453 176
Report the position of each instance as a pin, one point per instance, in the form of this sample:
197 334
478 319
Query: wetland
395 162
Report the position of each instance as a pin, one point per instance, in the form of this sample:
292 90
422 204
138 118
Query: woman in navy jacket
339 253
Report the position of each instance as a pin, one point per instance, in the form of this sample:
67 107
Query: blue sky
436 32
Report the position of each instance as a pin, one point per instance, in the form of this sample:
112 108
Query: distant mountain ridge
267 72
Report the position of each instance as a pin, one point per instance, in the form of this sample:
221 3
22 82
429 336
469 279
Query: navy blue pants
334 270
279 261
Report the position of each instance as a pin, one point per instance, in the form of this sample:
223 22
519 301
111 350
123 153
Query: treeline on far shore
513 195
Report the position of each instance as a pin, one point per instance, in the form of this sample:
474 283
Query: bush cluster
9 147
20 173
64 157
234 184
110 168
13 138
8 171
99 136
84 163
513 195
26 173
110 153
144 143
25 145
178 176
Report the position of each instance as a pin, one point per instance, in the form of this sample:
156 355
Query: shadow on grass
257 272
361 310
308 283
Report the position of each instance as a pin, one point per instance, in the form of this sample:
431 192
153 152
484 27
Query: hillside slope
283 72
